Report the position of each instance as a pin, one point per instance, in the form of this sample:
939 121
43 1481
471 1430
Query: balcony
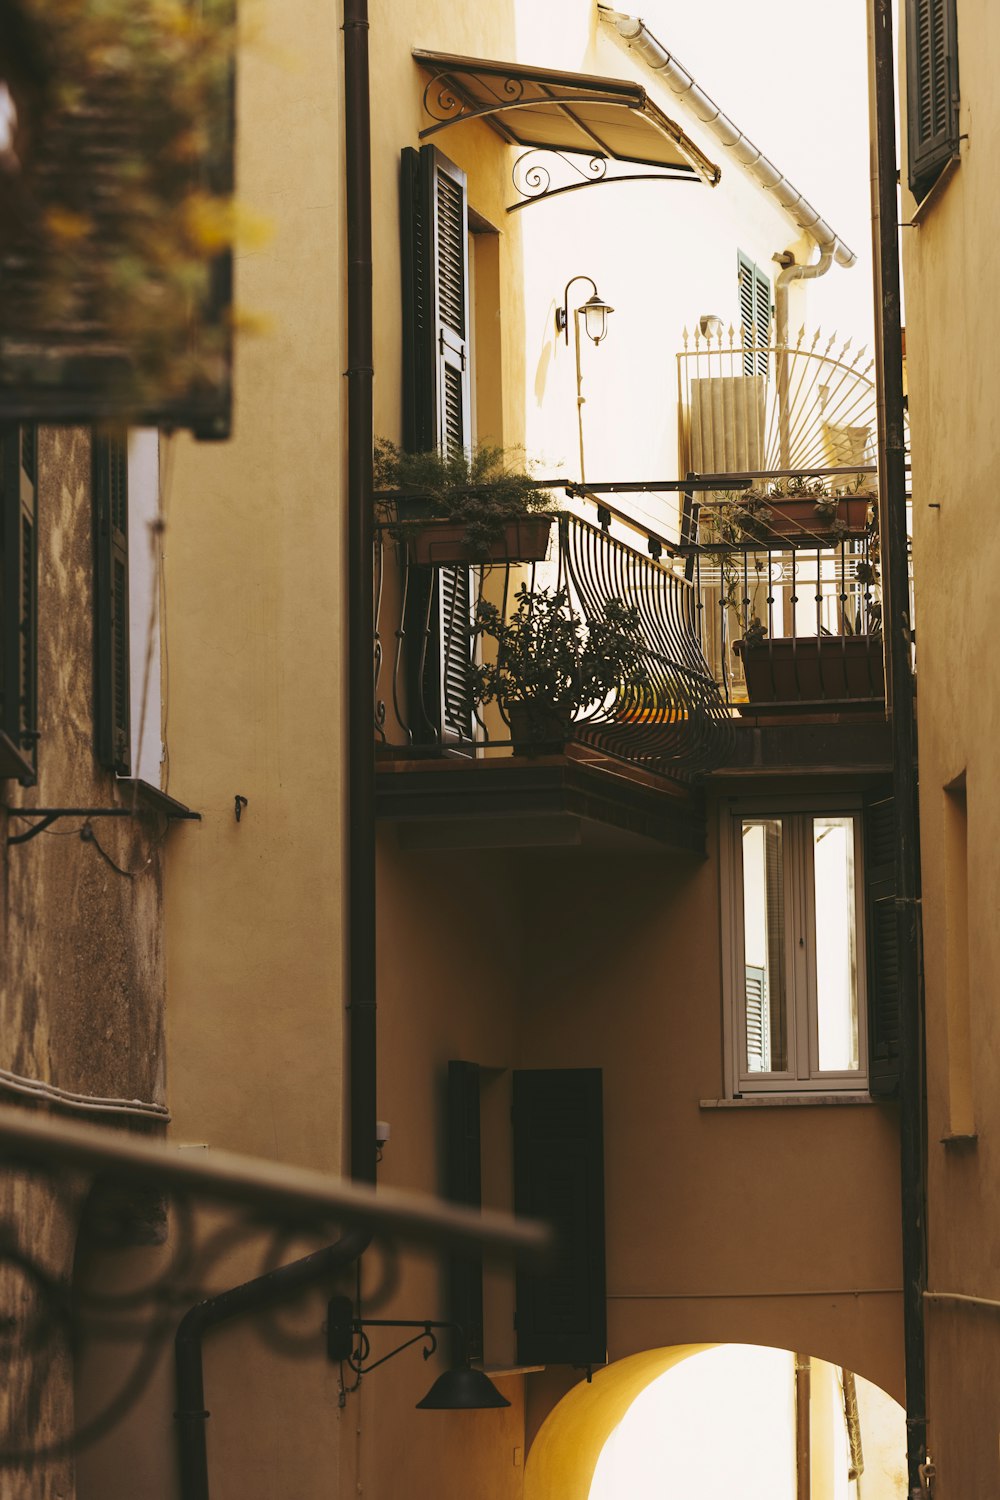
620 764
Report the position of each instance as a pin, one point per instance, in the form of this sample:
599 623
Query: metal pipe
360 965
360 798
273 1287
900 704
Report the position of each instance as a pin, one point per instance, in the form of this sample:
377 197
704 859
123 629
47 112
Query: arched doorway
710 1421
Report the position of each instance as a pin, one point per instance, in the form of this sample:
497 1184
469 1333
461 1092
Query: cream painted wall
953 368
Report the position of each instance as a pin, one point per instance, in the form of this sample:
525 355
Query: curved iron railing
669 717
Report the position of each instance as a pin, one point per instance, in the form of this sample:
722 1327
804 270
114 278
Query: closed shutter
559 1177
112 731
883 948
932 90
437 402
464 1185
19 597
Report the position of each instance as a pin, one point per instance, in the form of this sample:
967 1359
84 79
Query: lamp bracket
347 1340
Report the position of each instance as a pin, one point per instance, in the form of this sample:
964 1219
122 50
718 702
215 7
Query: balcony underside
842 745
576 800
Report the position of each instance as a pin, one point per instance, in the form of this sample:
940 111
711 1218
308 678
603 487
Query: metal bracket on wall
46 816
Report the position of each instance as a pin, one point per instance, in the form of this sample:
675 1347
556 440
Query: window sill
786 1101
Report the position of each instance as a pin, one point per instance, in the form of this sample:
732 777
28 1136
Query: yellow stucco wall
953 366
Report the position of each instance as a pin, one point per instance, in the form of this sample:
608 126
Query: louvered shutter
464 1185
932 90
883 948
112 732
559 1177
19 597
757 1023
437 405
755 314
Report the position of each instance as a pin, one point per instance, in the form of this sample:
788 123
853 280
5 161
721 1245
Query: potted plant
808 508
551 665
479 506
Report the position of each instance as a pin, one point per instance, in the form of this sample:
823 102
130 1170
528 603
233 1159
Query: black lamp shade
463 1389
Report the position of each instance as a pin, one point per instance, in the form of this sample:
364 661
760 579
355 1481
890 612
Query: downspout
900 702
791 271
279 1285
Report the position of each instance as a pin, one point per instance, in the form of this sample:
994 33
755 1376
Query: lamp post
595 318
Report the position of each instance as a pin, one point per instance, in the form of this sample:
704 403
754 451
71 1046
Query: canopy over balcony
564 116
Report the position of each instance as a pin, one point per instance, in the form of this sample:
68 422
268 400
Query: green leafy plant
482 490
551 659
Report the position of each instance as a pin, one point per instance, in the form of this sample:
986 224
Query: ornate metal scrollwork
532 177
444 103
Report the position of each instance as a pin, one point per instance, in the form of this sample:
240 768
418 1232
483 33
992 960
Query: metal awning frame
447 103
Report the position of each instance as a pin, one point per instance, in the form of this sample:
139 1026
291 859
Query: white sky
795 80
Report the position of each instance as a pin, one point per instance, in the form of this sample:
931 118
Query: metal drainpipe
286 1281
899 697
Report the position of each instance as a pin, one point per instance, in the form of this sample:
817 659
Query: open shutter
464 1185
18 602
755 314
112 732
932 90
559 1177
437 410
883 948
758 1024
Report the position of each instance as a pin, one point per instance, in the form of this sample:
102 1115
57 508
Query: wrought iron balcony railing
666 714
789 612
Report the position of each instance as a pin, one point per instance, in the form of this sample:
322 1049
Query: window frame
803 1076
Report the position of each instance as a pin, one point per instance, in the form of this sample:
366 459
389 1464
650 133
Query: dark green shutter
755 314
464 1185
436 362
559 1177
883 948
931 90
112 730
437 413
18 602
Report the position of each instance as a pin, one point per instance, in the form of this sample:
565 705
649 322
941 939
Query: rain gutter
796 206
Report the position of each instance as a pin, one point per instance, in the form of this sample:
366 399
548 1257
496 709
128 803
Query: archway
710 1421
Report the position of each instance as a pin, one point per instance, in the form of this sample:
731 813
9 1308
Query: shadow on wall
714 1421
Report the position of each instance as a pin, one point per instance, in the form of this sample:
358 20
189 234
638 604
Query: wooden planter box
798 672
798 518
442 543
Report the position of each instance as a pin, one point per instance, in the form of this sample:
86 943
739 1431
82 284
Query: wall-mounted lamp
459 1389
595 312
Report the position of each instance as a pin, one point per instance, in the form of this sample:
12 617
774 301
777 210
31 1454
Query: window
932 91
796 982
755 315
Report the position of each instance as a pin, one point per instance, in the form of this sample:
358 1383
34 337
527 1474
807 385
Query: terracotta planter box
442 543
797 517
810 671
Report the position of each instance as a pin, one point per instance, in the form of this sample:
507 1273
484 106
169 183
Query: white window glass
836 944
